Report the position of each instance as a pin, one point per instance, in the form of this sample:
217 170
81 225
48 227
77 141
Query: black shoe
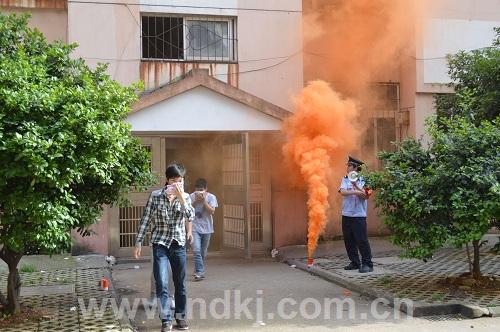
166 326
182 324
366 269
351 266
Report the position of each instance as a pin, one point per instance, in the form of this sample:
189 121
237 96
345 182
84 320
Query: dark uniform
354 226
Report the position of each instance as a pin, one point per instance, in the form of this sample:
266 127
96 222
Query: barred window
162 37
189 38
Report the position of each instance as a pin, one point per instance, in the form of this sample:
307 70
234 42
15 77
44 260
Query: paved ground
279 297
394 277
56 285
302 297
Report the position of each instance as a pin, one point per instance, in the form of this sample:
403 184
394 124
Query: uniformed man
354 227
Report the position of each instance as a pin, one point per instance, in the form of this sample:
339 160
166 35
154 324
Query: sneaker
366 269
182 324
198 277
351 266
166 326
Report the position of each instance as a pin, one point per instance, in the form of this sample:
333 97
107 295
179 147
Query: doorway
202 157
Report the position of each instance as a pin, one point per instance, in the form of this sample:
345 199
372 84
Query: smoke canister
310 261
104 284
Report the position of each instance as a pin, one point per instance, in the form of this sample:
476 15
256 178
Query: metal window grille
162 37
234 225
233 165
382 128
129 223
256 224
254 165
189 38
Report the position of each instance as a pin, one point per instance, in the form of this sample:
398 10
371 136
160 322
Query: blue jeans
200 248
176 255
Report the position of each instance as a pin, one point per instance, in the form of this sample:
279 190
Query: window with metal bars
256 222
255 168
381 128
177 38
129 223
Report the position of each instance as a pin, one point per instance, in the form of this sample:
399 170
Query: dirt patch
465 283
27 315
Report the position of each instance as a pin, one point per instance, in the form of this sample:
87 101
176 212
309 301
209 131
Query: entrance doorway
202 157
221 160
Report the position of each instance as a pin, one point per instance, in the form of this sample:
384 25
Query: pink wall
53 23
96 243
289 217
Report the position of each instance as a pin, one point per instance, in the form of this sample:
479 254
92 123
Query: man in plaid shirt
170 207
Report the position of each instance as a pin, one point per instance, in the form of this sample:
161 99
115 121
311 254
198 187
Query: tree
65 150
448 193
476 79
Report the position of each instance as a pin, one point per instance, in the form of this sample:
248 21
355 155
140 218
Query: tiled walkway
417 280
60 292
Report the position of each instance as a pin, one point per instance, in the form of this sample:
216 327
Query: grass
28 268
437 297
403 294
386 280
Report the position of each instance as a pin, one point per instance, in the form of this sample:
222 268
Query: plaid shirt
170 219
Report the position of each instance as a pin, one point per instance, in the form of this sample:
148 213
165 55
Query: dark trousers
356 238
176 256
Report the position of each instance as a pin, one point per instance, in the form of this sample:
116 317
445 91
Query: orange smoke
354 42
350 44
319 135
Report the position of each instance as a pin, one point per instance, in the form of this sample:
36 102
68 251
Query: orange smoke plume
351 44
354 42
319 135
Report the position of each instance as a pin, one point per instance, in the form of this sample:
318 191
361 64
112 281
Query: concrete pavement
290 298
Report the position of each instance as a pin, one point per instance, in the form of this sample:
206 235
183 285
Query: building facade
218 77
218 80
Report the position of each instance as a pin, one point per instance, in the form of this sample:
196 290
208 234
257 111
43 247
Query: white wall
447 27
449 36
195 7
200 109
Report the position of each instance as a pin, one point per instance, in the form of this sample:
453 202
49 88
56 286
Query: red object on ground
310 261
104 284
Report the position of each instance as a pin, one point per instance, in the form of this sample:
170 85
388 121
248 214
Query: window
256 224
382 128
189 38
254 165
162 37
